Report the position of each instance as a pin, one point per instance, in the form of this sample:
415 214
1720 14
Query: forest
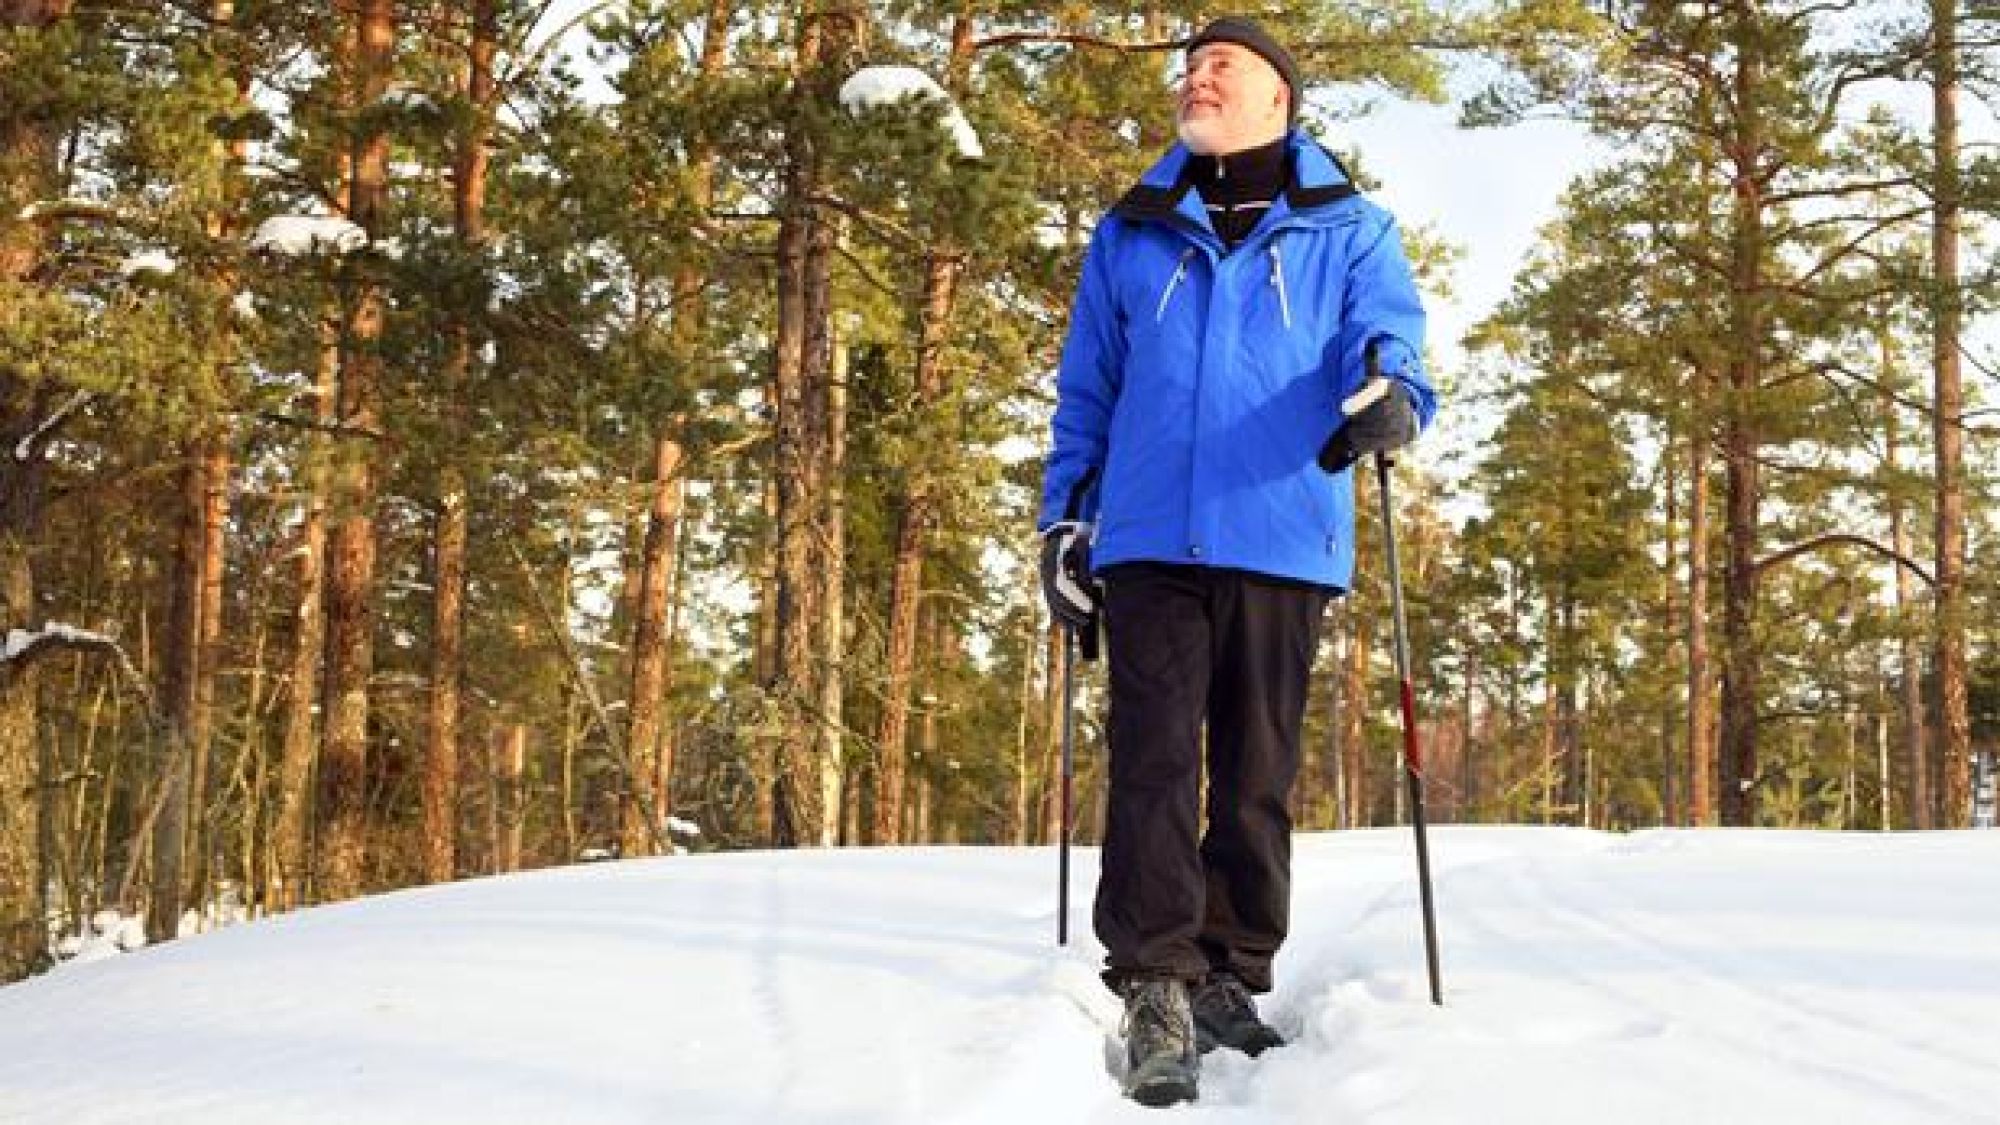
443 439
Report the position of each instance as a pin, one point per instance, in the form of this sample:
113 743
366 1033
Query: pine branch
1854 244
1835 539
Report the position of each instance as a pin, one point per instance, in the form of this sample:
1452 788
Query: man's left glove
1066 582
1387 422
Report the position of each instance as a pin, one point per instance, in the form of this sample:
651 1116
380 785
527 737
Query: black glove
1387 422
1066 582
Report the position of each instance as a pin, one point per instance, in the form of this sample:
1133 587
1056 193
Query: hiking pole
1068 739
1413 756
1070 645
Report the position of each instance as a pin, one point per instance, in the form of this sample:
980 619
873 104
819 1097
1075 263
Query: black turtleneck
1239 187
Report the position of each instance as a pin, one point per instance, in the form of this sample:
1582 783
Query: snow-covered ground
1684 977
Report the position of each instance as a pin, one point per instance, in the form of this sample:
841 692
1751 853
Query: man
1200 471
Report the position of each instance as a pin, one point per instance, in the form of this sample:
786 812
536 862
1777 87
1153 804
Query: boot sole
1163 1092
1206 1043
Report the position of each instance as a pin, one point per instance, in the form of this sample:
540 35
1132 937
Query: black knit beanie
1246 33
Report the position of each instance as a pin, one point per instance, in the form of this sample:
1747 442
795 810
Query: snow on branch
300 235
405 97
22 646
149 261
24 450
881 87
47 211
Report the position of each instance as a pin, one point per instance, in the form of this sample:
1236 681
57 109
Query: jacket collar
1164 193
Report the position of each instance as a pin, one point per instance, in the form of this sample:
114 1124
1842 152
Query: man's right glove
1066 582
1383 421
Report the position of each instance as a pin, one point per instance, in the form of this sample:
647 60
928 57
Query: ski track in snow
1661 977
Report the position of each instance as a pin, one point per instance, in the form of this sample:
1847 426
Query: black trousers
1194 648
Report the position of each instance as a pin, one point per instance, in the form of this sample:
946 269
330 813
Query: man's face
1230 100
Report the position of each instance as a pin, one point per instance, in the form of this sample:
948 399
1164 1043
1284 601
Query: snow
296 235
18 641
148 261
1662 977
408 98
877 87
105 934
37 208
25 448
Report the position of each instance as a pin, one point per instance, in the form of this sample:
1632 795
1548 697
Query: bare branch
1840 190
1839 538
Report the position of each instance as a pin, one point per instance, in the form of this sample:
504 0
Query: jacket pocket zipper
1278 282
1180 271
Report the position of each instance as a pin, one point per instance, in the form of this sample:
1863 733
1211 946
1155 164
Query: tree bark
180 669
1910 689
833 600
1670 613
292 859
214 519
1052 720
1954 724
452 529
651 765
1701 700
28 170
652 641
790 683
1353 718
914 525
350 652
1741 440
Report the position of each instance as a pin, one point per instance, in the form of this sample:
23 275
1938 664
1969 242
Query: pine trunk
1741 443
913 528
28 171
1701 700
1052 728
1020 832
651 740
1353 717
1575 770
350 652
1910 691
214 518
1954 724
790 688
292 860
180 667
1670 614
833 601
452 530
652 767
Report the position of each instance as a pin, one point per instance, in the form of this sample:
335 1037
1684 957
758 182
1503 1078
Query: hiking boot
1161 1065
1225 1015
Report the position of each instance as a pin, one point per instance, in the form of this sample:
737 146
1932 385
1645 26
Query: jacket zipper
1278 282
1180 271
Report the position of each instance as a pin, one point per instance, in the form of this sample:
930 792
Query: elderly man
1198 495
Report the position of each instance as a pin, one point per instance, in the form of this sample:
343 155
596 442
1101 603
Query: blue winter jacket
1197 384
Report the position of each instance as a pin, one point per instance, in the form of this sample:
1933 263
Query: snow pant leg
1264 637
1148 911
